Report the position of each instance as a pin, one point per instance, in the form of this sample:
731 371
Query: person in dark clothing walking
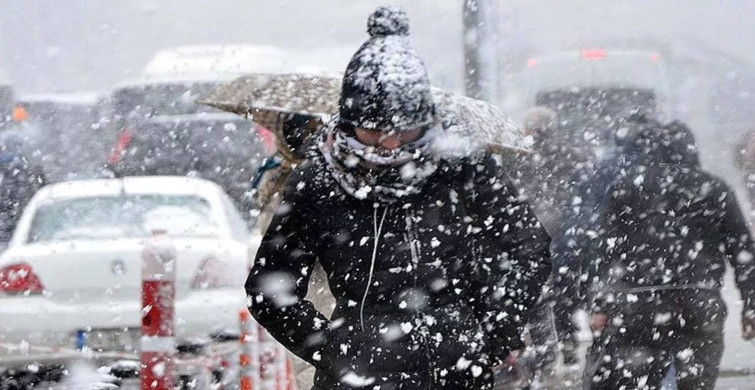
434 262
550 177
19 181
670 227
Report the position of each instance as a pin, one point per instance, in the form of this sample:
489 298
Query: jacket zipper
377 230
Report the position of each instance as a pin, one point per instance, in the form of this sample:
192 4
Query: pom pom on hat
388 20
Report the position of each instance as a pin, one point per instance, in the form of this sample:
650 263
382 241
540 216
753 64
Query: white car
73 266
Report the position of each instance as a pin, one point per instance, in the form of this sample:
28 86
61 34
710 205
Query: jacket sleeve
738 245
513 259
279 279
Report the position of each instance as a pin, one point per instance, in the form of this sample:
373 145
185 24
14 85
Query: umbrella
271 100
481 122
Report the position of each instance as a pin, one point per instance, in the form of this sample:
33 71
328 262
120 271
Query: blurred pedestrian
550 177
19 181
297 135
433 262
745 160
670 227
592 193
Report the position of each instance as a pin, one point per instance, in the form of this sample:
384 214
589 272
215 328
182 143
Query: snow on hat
386 85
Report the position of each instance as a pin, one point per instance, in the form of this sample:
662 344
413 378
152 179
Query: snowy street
377 195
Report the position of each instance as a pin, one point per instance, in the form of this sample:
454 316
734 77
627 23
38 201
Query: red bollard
288 370
280 367
158 298
284 377
268 367
249 359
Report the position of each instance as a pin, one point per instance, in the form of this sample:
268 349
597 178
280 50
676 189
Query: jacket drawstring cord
377 229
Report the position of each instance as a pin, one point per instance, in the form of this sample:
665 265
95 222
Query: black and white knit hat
386 85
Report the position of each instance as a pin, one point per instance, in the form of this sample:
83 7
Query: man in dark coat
19 181
433 262
670 227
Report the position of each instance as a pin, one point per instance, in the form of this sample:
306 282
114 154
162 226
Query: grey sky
91 44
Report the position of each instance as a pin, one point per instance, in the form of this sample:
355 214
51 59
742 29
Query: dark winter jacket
429 290
671 225
550 178
19 181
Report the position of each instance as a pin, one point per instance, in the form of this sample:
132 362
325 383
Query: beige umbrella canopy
271 100
480 121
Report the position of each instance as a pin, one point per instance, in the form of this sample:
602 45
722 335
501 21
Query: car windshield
129 216
178 147
216 148
150 100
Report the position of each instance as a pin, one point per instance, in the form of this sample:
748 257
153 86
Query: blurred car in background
136 101
74 263
174 78
590 89
223 148
64 134
170 84
159 129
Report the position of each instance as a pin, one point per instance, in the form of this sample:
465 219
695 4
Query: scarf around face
385 176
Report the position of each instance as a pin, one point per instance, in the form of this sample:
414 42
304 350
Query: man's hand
598 321
509 362
511 359
748 327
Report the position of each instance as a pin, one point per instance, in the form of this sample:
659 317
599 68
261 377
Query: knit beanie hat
385 86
